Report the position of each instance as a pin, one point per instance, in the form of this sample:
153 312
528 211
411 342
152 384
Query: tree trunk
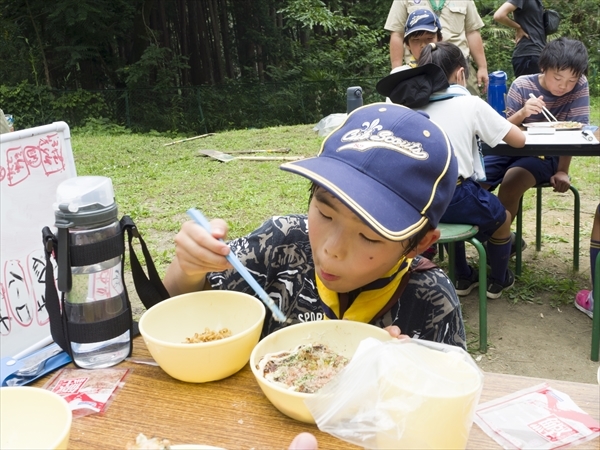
227 48
213 11
140 32
39 41
182 38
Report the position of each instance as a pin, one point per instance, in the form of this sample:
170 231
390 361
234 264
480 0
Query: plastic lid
83 192
497 76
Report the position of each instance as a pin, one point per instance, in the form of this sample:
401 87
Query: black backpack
551 21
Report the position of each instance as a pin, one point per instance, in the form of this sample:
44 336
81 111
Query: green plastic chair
450 234
596 315
538 227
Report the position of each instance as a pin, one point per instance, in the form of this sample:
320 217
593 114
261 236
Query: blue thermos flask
354 98
497 91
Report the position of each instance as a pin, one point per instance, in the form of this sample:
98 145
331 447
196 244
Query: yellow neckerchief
370 300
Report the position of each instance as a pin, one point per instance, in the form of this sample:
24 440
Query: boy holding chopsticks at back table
560 89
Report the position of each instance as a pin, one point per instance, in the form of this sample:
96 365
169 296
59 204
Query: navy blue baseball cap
392 166
422 20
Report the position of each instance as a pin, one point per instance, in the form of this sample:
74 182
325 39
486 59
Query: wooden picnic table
234 414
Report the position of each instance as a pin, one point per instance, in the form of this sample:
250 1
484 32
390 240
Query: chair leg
576 215
538 220
451 260
482 294
596 313
519 237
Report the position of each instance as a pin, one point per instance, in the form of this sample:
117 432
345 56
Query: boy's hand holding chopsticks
536 105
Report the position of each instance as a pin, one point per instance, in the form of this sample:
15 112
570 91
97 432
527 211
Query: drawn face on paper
17 292
4 317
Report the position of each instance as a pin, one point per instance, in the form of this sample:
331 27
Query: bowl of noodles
203 336
293 363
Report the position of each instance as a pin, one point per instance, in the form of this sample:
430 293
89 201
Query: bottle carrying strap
52 301
149 288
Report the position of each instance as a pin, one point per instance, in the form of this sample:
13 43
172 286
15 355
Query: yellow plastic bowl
33 418
342 336
166 325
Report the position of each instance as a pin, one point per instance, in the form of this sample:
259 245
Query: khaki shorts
472 81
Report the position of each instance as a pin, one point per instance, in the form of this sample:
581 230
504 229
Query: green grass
155 185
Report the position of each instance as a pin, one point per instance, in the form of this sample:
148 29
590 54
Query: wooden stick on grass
188 139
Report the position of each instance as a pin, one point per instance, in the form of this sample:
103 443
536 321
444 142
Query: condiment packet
539 417
88 391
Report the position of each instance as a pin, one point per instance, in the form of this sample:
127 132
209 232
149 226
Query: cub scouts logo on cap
417 18
372 135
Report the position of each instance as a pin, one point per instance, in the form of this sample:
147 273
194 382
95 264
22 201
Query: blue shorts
496 167
473 205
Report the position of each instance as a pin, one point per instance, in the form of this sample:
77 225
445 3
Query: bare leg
515 183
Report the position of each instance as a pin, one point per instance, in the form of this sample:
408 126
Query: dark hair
421 33
413 241
564 53
445 55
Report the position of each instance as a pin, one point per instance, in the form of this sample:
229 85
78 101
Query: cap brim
358 192
431 29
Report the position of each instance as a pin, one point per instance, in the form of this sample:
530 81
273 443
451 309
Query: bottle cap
87 192
497 77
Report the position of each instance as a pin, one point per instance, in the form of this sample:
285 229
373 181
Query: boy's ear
427 241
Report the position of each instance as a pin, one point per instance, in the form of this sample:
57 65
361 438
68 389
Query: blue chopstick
199 218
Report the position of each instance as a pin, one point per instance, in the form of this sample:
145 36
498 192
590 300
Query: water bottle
86 207
353 98
497 91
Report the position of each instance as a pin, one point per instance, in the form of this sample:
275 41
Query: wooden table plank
233 413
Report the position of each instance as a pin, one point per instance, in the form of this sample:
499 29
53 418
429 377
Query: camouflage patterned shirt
279 256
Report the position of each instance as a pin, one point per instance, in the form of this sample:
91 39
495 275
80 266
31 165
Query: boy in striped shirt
562 88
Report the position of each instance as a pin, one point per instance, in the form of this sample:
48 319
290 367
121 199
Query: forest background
198 66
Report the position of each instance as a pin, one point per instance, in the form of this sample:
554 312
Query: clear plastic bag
327 124
401 394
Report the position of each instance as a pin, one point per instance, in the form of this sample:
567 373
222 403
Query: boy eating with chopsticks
560 91
379 186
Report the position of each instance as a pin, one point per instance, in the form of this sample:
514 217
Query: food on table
208 335
307 368
557 125
144 443
567 125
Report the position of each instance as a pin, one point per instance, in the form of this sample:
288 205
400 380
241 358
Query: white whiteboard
33 162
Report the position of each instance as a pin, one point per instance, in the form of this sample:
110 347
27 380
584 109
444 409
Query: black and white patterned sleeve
428 309
444 321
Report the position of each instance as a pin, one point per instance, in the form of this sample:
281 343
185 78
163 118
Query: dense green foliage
197 66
